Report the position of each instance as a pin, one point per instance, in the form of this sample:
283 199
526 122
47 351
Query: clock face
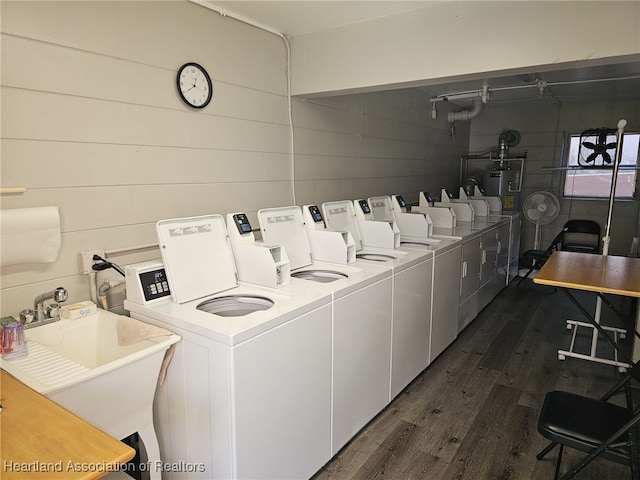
194 85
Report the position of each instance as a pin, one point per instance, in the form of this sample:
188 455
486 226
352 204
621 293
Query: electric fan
594 144
540 208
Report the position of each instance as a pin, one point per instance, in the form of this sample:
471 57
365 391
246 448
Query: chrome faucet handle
59 295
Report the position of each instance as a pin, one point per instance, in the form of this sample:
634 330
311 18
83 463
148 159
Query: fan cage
597 148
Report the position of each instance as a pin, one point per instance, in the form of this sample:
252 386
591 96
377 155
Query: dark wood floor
472 414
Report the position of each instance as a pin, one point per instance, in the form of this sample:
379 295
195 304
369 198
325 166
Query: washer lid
382 209
285 226
341 216
197 256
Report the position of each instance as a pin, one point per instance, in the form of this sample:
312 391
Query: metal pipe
614 181
606 240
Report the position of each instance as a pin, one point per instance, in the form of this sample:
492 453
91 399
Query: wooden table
594 273
42 440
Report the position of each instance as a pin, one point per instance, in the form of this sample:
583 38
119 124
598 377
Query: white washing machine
412 277
248 392
445 284
362 298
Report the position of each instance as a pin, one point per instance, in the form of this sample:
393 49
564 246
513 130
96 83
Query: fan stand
573 324
536 236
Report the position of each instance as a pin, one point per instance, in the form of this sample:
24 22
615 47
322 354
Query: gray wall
358 146
544 126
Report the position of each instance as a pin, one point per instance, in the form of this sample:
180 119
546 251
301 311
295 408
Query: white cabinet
504 250
470 273
485 265
445 299
495 263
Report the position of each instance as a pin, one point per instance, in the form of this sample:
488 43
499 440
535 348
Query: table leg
599 327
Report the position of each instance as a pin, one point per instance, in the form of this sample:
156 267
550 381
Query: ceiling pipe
466 115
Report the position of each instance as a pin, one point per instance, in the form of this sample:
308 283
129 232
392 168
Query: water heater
502 183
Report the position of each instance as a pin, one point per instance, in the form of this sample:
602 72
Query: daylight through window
596 182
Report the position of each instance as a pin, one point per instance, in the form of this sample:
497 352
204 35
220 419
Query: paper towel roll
29 235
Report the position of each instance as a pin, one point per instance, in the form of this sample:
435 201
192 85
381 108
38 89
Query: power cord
104 264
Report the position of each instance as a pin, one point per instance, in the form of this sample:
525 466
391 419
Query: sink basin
66 352
79 364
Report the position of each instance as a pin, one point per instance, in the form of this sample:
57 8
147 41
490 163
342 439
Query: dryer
248 392
361 304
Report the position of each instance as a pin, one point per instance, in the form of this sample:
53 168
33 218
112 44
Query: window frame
572 169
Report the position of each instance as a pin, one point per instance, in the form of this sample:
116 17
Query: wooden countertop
594 273
41 439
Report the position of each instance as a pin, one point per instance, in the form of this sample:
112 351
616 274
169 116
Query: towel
132 331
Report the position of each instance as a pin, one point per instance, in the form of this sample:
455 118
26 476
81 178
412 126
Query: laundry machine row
353 314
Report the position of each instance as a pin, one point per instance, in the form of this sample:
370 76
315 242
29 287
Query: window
596 182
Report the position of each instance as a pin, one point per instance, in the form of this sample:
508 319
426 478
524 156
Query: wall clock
194 85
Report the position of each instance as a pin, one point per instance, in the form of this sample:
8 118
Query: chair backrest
555 242
581 236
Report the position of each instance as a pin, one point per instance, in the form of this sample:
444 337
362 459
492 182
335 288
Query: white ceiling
299 17
293 18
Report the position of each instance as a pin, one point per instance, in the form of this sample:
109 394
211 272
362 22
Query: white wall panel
454 39
92 123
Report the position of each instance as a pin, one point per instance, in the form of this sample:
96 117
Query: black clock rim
206 75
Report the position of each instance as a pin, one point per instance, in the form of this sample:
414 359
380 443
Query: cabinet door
489 256
470 270
502 260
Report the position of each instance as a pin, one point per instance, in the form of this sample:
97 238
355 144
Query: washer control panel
364 205
146 282
315 213
242 222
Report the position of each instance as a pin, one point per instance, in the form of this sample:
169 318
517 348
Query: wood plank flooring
472 414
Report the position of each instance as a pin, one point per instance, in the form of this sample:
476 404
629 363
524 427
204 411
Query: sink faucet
59 295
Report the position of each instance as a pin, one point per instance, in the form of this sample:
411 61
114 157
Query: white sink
70 351
79 364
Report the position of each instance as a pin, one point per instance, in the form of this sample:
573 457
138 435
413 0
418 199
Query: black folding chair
539 257
581 236
597 427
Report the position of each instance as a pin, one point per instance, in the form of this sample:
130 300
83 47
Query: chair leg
526 276
558 462
546 450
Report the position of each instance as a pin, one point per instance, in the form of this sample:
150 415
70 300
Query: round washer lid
197 256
